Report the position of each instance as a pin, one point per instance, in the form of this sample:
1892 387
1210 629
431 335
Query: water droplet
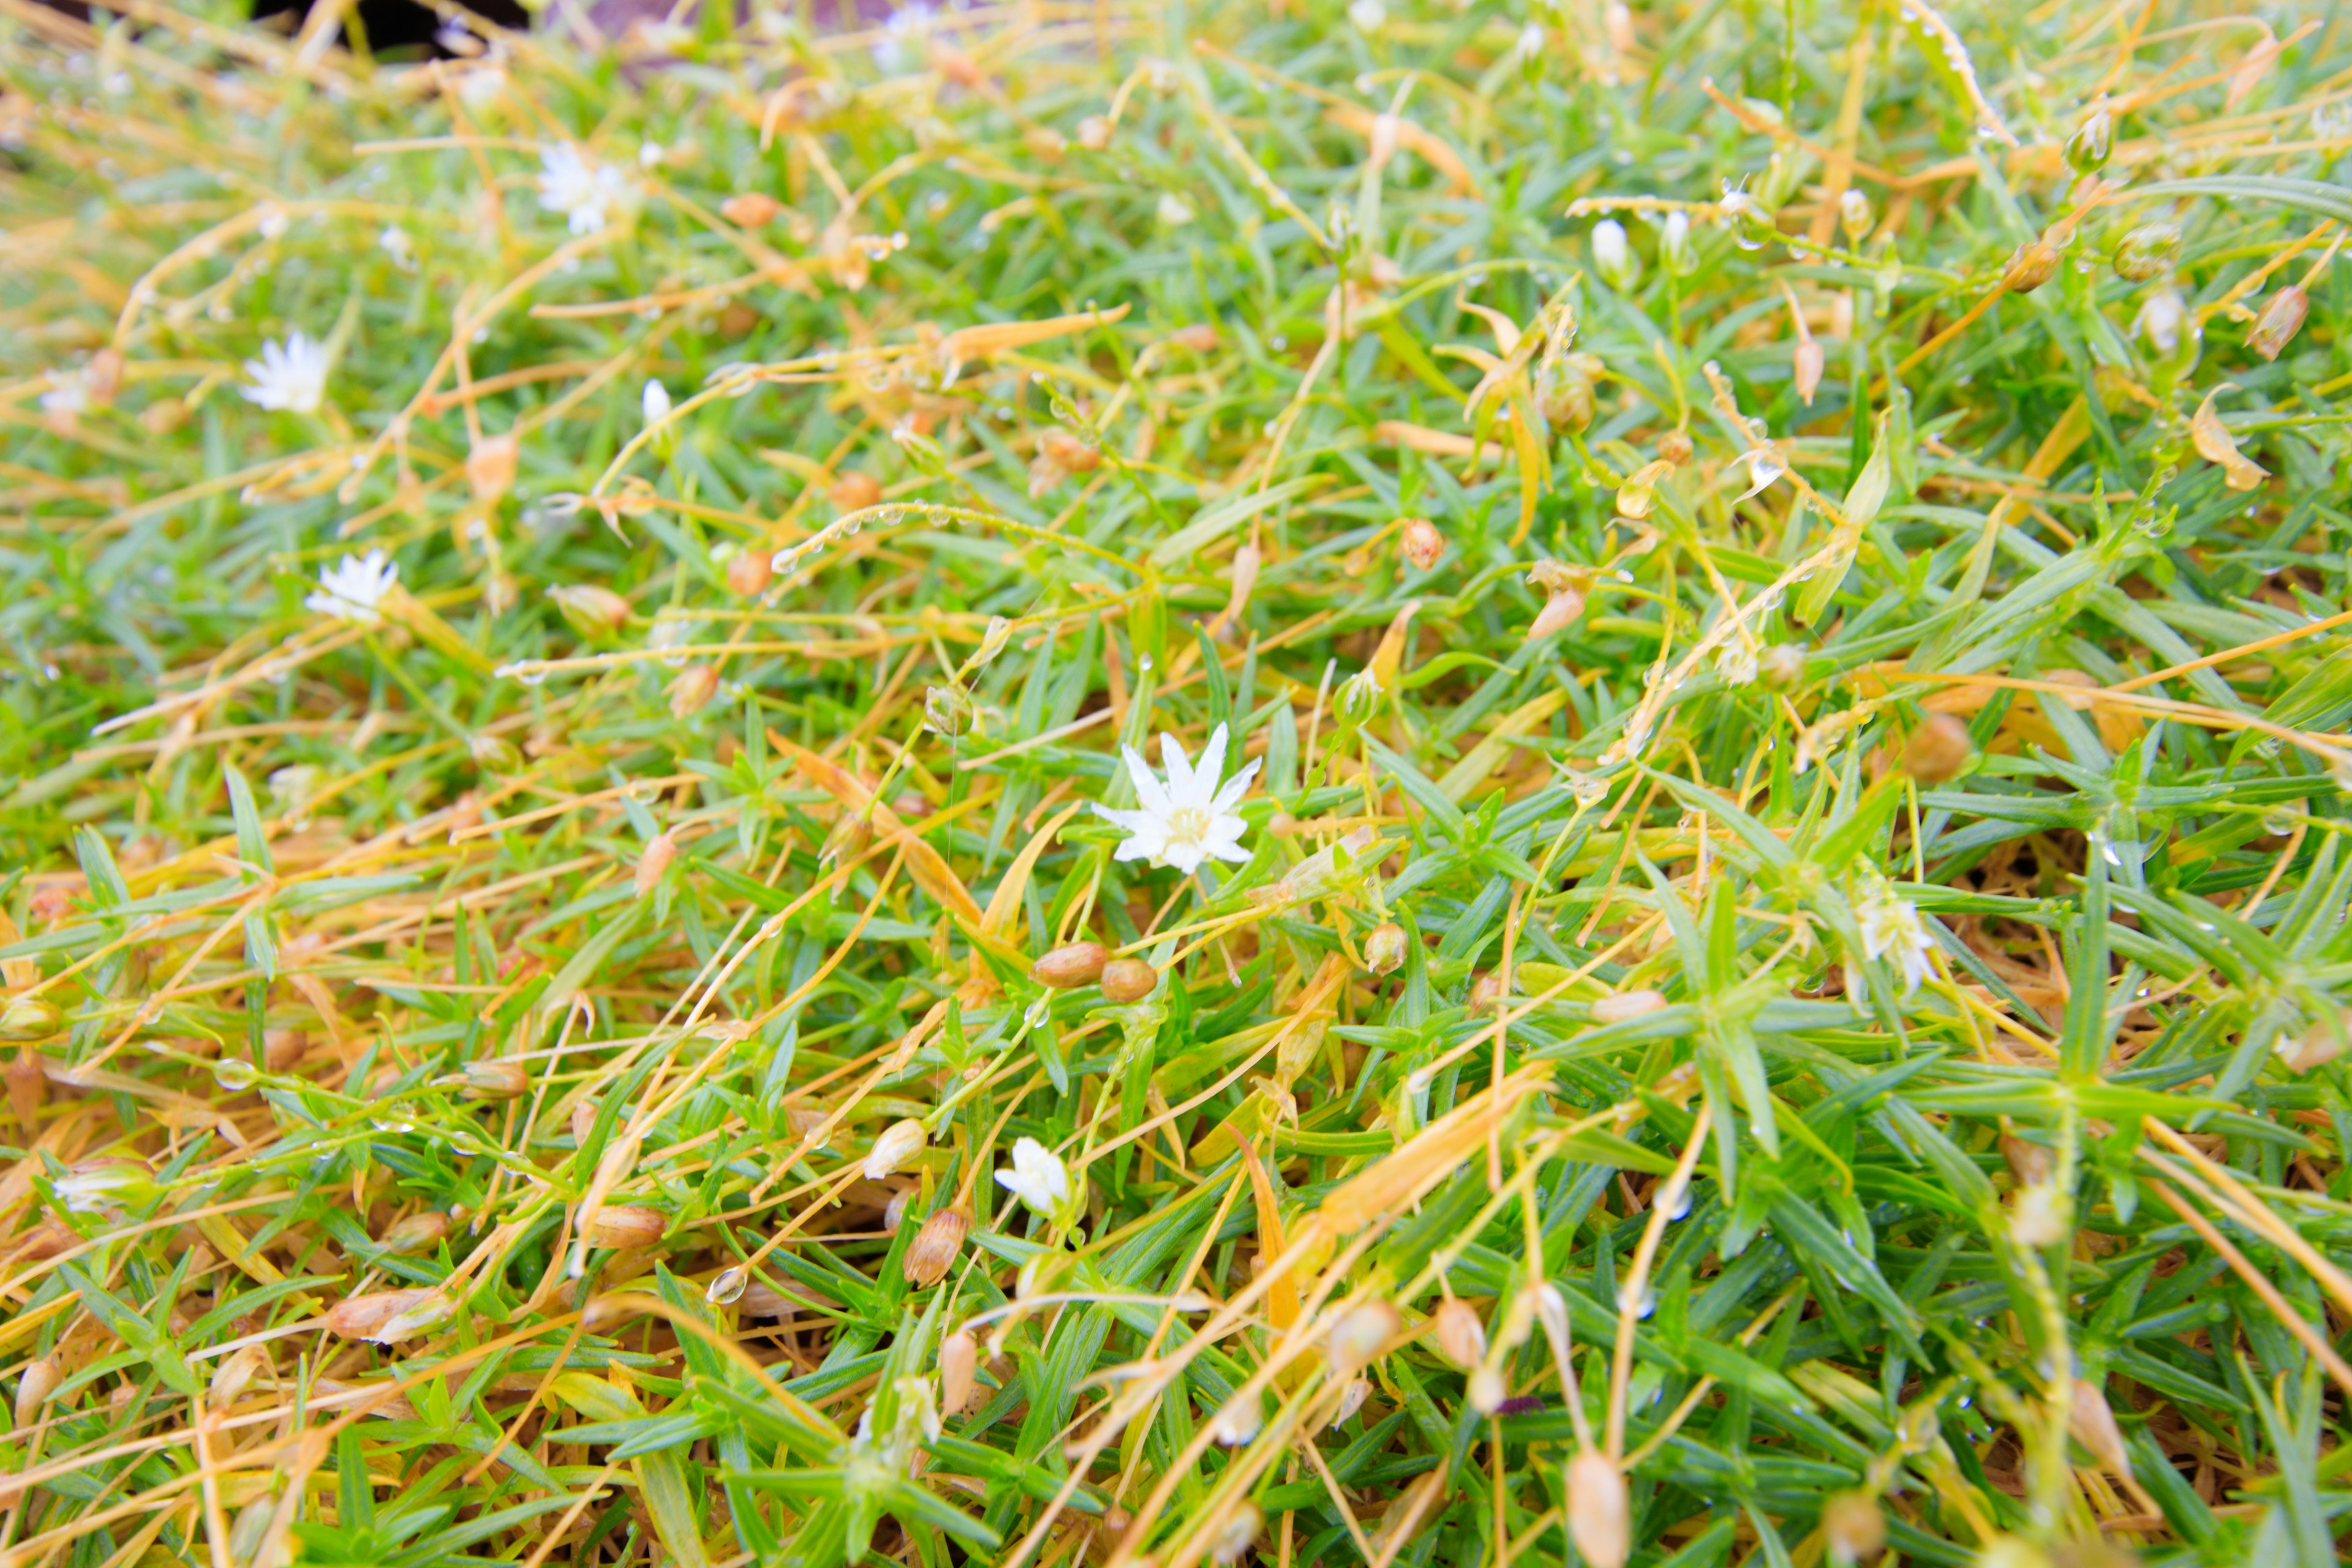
727 1287
235 1074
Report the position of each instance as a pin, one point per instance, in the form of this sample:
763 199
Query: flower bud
1384 948
417 1233
1855 216
2093 140
624 1226
2282 317
1420 542
1563 390
1782 665
282 1048
692 689
1461 1337
1626 1005
933 1250
1238 1421
101 378
1068 968
1352 1397
653 861
490 466
1811 360
2148 251
1045 142
594 612
947 709
30 1019
1200 337
365 1317
2031 266
854 491
751 209
1486 1390
1094 133
1674 243
959 1361
900 1142
1598 1519
1853 1529
1638 496
1566 587
1233 1538
2092 1422
1074 456
1937 750
752 569
1613 257
33 1385
1129 980
1362 1332
494 1080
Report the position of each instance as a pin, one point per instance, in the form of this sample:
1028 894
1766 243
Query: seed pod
1068 968
2093 140
1420 542
692 687
624 1225
1811 360
1129 980
494 1080
2282 317
417 1233
282 1048
751 209
653 861
1362 1332
759 1301
933 1250
2029 267
38 1381
364 1317
1626 1005
1937 750
2092 1422
1854 1528
1384 948
752 569
959 1361
1235 1537
30 1019
592 611
1855 214
855 490
1461 1337
1487 1390
2148 251
898 1142
1564 391
1199 338
1597 1518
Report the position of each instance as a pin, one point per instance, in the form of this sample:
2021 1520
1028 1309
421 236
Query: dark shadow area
392 24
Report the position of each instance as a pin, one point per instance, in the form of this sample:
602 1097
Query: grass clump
1736 949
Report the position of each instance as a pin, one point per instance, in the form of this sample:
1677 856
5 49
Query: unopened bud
1627 1005
1045 142
751 209
854 491
653 861
947 709
1232 1539
933 1250
1094 133
752 569
366 1317
900 1142
1486 1390
1352 1397
417 1233
236 1371
1937 750
494 1080
1074 455
101 378
2148 251
1852 1528
692 689
1362 1332
1068 968
1855 216
1384 948
2282 317
1612 256
1200 337
1421 543
894 1212
624 1226
1598 1519
1461 1337
1129 980
490 466
1811 359
1487 993
30 1019
33 1385
594 612
2092 1422
2029 267
1563 390
959 1364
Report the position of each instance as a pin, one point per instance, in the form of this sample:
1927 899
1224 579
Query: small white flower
274 222
1674 241
1190 818
1530 43
396 244
650 154
581 191
291 376
354 589
69 393
1892 930
1737 663
1368 15
1175 211
656 402
1611 257
1036 1177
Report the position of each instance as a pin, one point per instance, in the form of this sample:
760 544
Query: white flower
354 589
69 393
1175 211
650 154
1530 43
291 376
570 184
1189 820
1737 663
656 401
1036 1177
1611 257
396 245
1892 930
1369 15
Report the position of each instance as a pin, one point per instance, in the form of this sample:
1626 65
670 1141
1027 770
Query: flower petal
1148 788
1235 788
1179 770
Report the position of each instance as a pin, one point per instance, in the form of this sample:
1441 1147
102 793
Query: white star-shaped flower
580 190
1892 930
291 376
1036 1177
1189 820
354 589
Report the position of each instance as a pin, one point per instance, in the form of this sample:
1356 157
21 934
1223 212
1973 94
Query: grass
1784 993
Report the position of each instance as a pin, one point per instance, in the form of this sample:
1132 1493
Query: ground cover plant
1084 783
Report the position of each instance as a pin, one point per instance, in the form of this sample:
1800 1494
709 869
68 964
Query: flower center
1188 823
